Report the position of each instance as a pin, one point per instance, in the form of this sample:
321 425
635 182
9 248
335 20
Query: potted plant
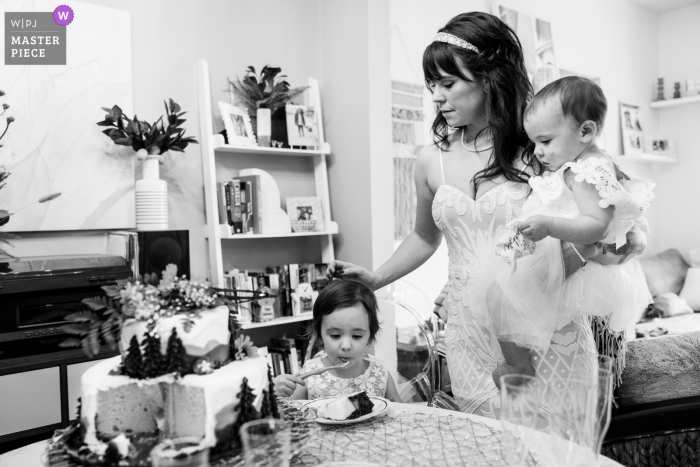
151 142
265 95
145 138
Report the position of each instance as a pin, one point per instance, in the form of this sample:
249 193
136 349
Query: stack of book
285 355
281 280
240 204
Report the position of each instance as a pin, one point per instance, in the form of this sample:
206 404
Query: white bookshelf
221 147
645 159
278 321
213 146
668 103
225 233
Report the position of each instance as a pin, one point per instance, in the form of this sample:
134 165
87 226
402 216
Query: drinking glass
604 402
520 400
579 413
266 443
180 452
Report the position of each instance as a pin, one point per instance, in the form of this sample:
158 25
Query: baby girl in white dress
582 198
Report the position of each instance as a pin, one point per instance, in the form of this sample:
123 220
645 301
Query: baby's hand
535 228
285 385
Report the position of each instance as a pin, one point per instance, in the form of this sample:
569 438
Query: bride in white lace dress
469 184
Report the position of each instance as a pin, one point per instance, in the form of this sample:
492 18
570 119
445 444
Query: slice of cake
347 407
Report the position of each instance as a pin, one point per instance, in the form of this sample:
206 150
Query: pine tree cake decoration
133 362
151 356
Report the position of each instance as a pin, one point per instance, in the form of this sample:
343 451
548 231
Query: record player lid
35 264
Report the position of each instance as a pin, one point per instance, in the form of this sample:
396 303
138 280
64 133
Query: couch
657 418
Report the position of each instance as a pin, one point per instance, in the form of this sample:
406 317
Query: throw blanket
661 368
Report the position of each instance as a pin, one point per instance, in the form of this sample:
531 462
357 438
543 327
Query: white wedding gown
471 229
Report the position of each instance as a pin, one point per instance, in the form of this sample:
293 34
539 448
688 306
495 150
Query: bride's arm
425 238
414 250
605 254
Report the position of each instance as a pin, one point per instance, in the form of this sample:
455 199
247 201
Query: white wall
678 225
614 40
343 43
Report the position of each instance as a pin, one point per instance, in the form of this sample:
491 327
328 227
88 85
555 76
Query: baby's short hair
344 294
581 99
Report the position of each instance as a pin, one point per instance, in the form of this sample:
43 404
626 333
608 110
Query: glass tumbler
520 400
266 442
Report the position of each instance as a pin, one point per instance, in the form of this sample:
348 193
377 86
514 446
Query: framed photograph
305 214
239 129
302 125
535 34
632 135
660 145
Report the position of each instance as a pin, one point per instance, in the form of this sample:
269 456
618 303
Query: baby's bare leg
517 362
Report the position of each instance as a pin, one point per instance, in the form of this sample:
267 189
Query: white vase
151 197
264 118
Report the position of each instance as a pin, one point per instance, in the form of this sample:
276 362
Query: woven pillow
665 272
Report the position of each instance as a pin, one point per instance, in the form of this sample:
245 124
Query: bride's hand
344 270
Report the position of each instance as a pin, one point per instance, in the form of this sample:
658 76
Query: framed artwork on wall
239 129
538 45
631 129
305 214
63 173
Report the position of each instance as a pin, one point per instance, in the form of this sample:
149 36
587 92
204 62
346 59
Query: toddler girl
345 319
583 198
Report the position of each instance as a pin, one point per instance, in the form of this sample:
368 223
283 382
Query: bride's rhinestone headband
454 40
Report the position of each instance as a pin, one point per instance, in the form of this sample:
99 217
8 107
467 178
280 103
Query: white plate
381 405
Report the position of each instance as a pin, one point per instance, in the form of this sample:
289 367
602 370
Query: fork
323 370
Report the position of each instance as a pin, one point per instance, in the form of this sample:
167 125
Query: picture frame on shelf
631 130
659 145
302 126
239 128
305 214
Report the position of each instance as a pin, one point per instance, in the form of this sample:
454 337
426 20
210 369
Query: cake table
407 435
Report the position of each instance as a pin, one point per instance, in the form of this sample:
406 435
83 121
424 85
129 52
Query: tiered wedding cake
179 375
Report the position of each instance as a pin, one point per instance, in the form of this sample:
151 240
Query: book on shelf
253 187
286 347
223 203
236 212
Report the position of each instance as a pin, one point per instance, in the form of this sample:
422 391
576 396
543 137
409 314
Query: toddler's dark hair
581 99
343 294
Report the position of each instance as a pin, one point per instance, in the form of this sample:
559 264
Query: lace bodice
373 380
471 229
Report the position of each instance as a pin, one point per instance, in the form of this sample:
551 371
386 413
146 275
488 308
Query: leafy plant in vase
151 142
264 95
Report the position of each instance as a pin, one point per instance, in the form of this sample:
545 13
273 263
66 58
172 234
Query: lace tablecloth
407 435
413 435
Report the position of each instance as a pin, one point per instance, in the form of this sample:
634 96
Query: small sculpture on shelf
660 90
676 90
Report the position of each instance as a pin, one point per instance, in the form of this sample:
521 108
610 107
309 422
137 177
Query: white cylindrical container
151 197
264 127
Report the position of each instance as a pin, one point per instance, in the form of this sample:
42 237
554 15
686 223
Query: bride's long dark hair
500 62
